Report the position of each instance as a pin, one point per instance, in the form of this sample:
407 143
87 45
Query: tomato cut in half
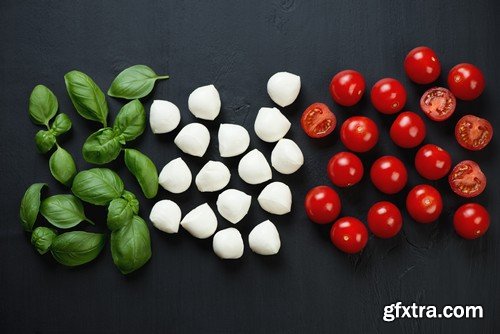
347 87
466 81
466 179
349 235
422 65
438 103
318 120
471 220
473 133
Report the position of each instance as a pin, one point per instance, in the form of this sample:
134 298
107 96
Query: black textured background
236 45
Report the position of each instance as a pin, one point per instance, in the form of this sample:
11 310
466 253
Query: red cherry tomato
422 65
471 220
466 179
345 169
473 133
388 174
438 103
349 235
424 204
359 133
408 130
388 96
322 205
432 162
347 87
318 120
384 219
466 81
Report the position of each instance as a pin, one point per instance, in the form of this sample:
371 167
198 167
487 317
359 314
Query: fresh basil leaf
42 239
44 140
87 97
101 147
97 186
134 82
43 105
132 200
130 121
30 206
61 124
131 245
77 247
120 213
144 171
63 211
62 166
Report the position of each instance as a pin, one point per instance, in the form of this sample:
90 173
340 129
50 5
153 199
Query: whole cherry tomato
347 87
424 204
349 235
466 179
422 65
388 96
471 220
473 133
359 134
345 169
322 205
318 120
384 219
432 162
408 130
466 81
438 103
388 174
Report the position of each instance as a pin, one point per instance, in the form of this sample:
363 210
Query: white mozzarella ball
166 216
253 168
233 140
201 222
204 102
164 116
233 205
271 125
276 198
228 243
175 176
264 239
213 176
283 88
287 157
193 139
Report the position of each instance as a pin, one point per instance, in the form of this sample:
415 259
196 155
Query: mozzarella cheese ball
276 198
283 88
233 140
271 125
213 176
204 102
175 176
164 116
166 216
193 139
233 205
287 157
201 222
254 168
264 239
228 243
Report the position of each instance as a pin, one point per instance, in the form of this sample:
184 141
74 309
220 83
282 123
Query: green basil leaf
144 171
130 121
132 200
43 105
134 82
30 206
62 166
77 248
42 239
101 147
44 140
97 186
61 125
120 213
63 211
131 245
87 97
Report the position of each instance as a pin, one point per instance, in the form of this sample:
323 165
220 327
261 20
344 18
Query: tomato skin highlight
438 103
473 133
347 87
432 162
359 134
388 174
422 65
424 204
384 219
466 81
345 169
408 130
318 120
471 221
322 205
467 179
349 235
388 96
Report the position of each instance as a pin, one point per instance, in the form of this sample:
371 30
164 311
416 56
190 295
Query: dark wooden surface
237 45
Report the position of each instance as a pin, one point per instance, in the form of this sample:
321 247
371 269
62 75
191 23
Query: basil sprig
134 82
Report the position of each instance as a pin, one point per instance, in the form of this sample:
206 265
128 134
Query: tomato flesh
349 235
388 174
466 81
359 134
422 65
322 205
432 162
466 179
408 130
318 120
473 133
471 221
345 169
347 87
438 103
424 204
384 219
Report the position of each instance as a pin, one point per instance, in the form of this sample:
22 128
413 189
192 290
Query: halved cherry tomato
318 120
347 87
345 169
349 235
438 103
466 81
473 133
432 162
424 204
389 174
359 133
408 130
471 220
388 96
384 219
466 179
422 65
322 205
